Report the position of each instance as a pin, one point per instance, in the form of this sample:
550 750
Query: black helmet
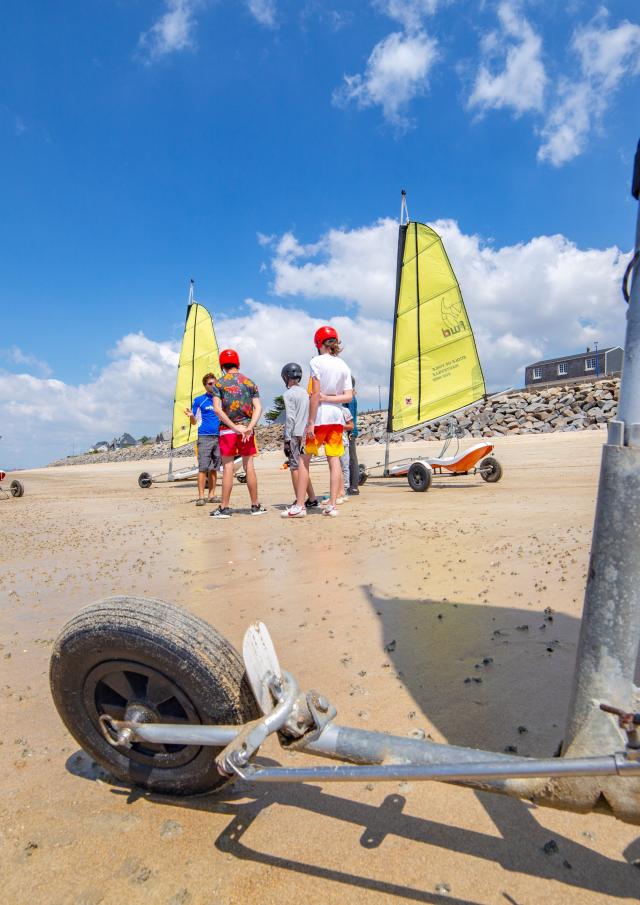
291 371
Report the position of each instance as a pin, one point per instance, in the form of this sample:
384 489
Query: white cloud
15 356
521 82
264 11
268 335
398 67
542 297
357 266
606 56
42 418
526 301
397 71
409 13
173 31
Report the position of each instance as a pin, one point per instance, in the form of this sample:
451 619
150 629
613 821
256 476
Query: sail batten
435 369
198 356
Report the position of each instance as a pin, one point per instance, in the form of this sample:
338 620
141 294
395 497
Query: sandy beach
386 610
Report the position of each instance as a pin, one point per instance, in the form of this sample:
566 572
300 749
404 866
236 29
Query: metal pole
476 773
610 628
629 409
385 472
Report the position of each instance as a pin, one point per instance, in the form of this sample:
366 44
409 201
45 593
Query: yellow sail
198 356
435 367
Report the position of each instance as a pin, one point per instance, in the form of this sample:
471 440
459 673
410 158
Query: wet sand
386 610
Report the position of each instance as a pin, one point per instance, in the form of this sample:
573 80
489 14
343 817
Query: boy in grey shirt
296 406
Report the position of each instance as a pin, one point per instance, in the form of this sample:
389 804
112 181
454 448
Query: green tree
278 408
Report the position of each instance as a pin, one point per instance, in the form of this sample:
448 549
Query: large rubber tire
242 478
145 480
167 661
490 470
16 488
419 477
363 474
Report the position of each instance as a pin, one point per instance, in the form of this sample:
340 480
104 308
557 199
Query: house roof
585 354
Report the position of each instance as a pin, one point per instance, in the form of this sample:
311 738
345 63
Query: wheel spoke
159 690
173 718
120 683
115 711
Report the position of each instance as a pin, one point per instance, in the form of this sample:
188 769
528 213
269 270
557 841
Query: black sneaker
258 509
351 492
221 513
311 504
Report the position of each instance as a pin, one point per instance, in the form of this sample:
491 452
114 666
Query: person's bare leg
202 480
311 494
303 478
335 478
213 477
227 480
294 481
252 478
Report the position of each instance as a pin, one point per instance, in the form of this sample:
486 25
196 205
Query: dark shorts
296 447
208 453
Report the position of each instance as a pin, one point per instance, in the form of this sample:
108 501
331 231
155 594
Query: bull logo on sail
452 317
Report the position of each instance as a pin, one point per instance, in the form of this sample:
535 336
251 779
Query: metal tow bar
610 765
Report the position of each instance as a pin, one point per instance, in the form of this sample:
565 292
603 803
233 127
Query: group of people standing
230 408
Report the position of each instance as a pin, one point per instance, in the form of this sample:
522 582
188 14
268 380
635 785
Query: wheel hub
135 692
139 713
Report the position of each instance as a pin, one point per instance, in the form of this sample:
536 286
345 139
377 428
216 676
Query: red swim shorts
233 444
327 435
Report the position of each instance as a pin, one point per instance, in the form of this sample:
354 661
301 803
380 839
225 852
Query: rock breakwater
586 406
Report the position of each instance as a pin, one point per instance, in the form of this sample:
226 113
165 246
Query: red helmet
323 333
229 357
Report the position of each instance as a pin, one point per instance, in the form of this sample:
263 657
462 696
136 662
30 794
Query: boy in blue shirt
208 439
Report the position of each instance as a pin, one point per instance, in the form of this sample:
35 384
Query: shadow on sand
572 863
485 676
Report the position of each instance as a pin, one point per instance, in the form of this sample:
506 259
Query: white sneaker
330 510
294 511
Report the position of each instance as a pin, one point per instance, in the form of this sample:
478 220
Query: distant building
100 446
122 442
590 365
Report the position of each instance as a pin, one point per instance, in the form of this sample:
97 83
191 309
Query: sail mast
402 234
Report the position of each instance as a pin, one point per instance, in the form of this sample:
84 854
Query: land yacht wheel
145 480
490 470
136 658
16 488
419 477
363 474
242 478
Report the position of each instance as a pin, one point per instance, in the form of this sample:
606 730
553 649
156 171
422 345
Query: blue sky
260 147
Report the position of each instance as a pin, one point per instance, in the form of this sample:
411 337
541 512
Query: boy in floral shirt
236 401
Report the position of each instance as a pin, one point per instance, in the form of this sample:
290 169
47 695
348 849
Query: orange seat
466 463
